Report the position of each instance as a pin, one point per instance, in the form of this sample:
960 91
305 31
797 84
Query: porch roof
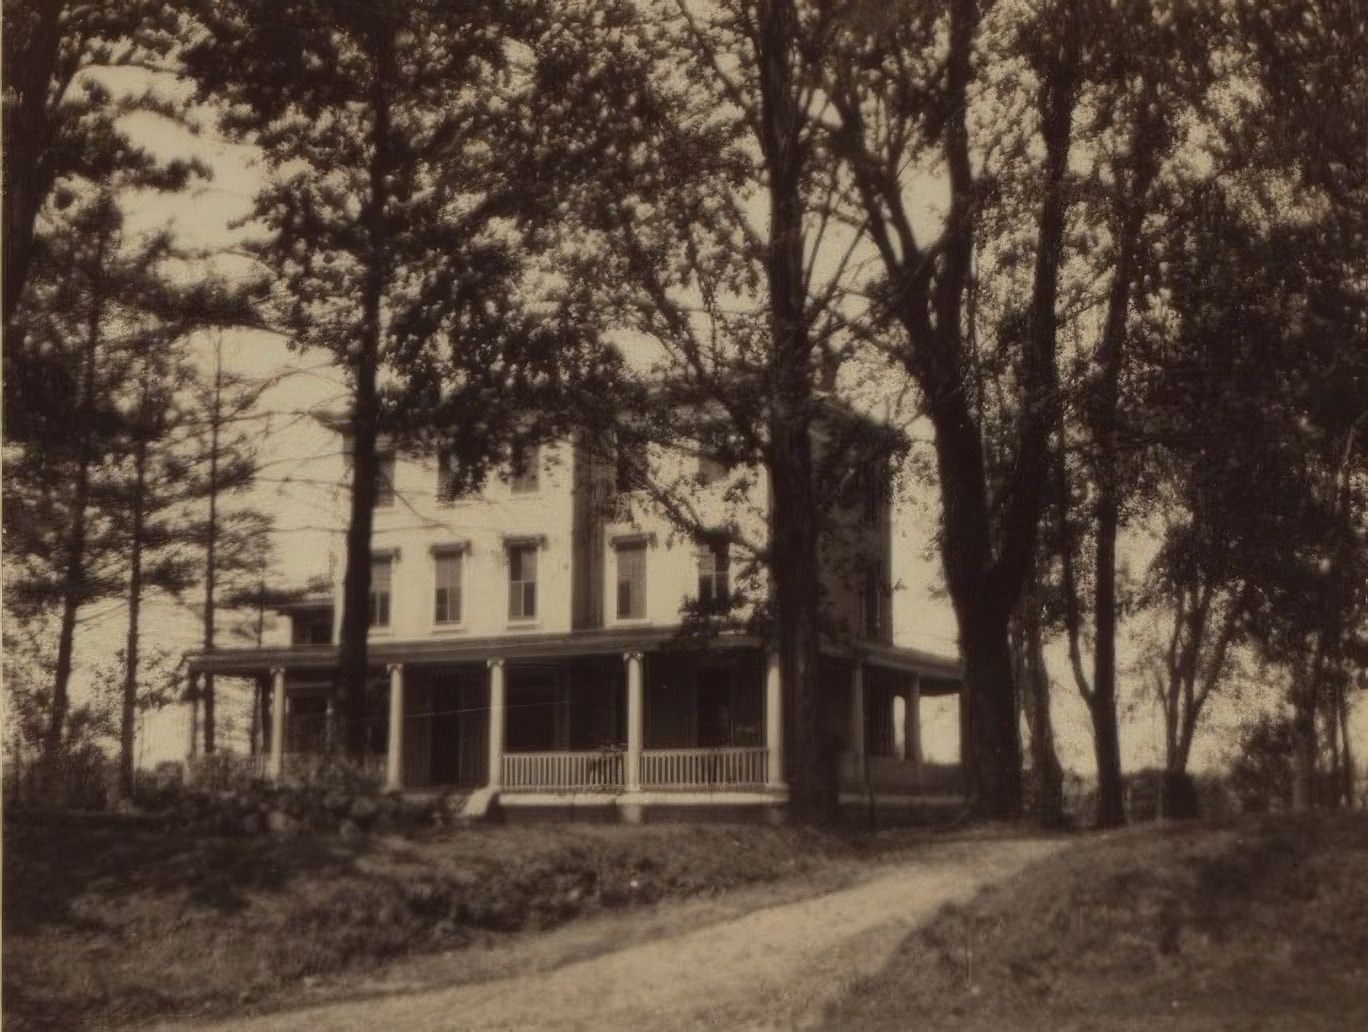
940 675
564 645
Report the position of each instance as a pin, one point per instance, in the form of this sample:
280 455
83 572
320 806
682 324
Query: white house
548 644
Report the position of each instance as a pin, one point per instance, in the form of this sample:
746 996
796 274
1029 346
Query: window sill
523 625
631 621
381 632
448 628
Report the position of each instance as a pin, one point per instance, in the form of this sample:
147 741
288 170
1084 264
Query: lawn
106 928
1259 925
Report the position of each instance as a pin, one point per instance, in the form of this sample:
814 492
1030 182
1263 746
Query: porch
560 721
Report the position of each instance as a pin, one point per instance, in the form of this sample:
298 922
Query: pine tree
222 464
410 157
63 141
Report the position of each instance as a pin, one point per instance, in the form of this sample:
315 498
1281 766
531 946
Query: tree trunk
1047 775
1306 693
1303 753
1106 738
211 545
993 768
353 664
1105 419
793 520
812 792
129 709
73 587
1346 749
25 178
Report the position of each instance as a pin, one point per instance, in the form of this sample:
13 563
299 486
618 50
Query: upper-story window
525 463
714 578
384 480
381 580
447 595
631 580
710 469
522 582
311 626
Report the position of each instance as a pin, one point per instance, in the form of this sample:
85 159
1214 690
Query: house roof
940 674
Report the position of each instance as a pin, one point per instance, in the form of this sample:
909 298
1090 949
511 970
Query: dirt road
773 968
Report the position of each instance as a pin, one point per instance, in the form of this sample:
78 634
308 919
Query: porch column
966 735
857 717
912 727
194 696
496 723
394 752
774 722
277 765
635 722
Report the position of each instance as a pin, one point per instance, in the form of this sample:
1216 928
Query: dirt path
774 968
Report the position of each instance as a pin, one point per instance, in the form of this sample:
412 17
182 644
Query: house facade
556 643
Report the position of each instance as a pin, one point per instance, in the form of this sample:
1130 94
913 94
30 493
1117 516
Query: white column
496 723
774 721
635 721
857 716
394 752
912 726
277 767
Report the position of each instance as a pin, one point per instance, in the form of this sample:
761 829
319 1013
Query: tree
62 141
409 155
1032 676
150 502
222 463
1258 396
1305 122
715 239
903 90
56 486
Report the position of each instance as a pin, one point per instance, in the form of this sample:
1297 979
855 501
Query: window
522 582
382 571
311 627
447 601
710 469
524 468
875 610
631 580
446 478
714 567
384 480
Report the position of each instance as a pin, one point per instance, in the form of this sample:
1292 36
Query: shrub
1261 770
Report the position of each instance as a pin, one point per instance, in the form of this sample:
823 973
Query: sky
302 469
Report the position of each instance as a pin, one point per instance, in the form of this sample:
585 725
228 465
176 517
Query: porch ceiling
249 662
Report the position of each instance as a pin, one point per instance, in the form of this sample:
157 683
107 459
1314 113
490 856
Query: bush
1261 771
258 807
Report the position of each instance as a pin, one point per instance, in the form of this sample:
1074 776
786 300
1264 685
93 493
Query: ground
775 967
107 928
1261 924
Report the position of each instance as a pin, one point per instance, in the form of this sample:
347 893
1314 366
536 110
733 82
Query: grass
108 928
1259 925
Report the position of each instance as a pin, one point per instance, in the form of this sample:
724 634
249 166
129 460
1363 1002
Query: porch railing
597 770
735 767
